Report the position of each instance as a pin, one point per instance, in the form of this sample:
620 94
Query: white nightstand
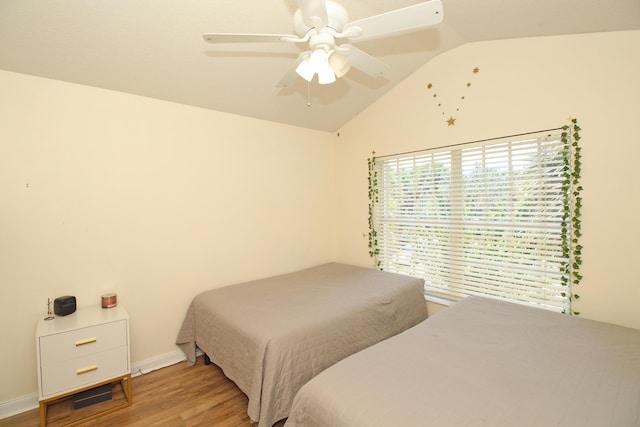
81 351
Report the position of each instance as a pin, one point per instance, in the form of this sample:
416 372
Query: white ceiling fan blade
314 12
246 38
363 61
409 18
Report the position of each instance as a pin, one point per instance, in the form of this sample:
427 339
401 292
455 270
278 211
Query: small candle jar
109 300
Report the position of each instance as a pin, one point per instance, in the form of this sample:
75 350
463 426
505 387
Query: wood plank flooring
175 396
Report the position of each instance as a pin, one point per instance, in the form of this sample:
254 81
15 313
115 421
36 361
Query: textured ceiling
154 48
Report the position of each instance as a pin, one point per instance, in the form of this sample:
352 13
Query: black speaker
64 305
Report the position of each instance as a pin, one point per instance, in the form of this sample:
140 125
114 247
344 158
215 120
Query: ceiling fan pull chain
308 94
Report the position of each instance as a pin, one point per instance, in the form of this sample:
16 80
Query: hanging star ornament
445 109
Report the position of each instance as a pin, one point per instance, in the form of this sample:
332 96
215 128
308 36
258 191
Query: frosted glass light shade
305 70
326 76
339 64
319 59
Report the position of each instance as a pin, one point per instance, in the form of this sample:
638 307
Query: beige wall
523 85
105 191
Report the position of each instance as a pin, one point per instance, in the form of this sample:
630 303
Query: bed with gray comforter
271 336
483 362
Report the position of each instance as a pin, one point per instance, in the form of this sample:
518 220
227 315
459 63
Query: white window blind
480 219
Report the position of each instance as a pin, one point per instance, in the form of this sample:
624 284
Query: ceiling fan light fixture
319 59
326 76
339 64
305 69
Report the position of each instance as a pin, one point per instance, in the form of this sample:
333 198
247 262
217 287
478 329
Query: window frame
378 192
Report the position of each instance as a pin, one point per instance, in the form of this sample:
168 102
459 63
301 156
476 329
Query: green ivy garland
572 222
373 199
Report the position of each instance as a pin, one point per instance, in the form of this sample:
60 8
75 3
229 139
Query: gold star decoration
446 109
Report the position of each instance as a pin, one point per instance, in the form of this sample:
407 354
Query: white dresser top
81 318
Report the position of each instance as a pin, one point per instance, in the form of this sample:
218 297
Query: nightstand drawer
81 342
79 372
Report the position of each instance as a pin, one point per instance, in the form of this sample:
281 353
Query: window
479 219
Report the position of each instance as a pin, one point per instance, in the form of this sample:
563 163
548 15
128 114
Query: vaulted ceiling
154 48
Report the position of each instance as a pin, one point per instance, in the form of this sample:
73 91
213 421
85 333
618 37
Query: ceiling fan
321 23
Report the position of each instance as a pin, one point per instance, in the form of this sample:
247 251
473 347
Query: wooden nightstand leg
43 414
127 388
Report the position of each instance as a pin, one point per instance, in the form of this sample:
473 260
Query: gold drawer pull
85 342
85 370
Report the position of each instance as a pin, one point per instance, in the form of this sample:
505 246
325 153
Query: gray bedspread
483 362
271 336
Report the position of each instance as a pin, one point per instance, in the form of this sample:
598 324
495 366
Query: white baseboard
30 401
19 405
157 362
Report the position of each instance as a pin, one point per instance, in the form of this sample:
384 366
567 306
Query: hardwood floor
175 396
